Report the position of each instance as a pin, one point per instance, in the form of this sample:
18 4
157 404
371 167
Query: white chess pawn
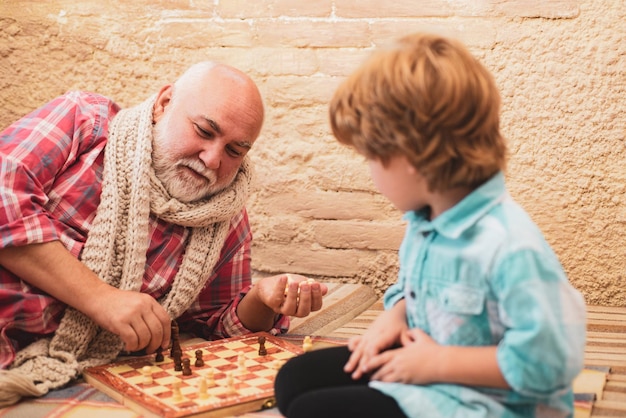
176 393
203 389
277 364
242 362
210 378
307 344
147 375
231 384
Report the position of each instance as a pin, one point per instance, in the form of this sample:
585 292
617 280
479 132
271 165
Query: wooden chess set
208 379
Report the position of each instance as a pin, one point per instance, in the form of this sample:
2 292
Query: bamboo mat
606 347
342 303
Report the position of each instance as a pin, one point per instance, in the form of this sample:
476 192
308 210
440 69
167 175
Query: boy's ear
164 96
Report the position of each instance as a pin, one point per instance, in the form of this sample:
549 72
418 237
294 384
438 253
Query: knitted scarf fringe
116 251
14 386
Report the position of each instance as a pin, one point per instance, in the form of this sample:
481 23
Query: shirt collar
456 220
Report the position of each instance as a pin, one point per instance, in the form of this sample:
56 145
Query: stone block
301 9
313 33
360 235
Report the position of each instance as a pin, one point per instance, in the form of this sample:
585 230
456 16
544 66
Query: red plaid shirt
50 184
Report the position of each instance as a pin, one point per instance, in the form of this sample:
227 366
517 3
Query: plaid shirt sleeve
214 314
45 170
50 170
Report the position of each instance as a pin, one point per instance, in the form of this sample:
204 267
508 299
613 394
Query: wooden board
235 359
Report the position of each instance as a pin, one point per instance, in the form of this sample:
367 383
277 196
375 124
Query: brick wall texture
560 65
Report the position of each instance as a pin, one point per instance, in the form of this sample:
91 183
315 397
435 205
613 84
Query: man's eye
234 152
203 132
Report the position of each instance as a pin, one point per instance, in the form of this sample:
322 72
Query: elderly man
113 222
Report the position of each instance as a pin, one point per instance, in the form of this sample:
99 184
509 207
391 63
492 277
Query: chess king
116 221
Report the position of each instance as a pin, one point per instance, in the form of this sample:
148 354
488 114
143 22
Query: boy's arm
542 350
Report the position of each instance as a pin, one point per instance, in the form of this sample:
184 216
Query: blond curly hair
427 98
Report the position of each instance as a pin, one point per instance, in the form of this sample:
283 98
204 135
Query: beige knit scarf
116 251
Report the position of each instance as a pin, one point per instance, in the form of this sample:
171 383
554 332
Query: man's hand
136 317
287 294
291 294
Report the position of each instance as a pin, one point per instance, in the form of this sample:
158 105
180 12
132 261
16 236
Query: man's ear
164 96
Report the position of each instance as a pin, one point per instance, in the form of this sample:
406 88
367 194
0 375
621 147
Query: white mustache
199 168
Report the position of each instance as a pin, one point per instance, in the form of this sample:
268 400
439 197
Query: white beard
175 174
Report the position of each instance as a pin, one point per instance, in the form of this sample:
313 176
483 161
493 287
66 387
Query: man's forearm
137 318
53 269
254 314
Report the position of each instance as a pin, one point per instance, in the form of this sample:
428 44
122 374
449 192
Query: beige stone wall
560 64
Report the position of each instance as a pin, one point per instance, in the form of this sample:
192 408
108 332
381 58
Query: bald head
203 78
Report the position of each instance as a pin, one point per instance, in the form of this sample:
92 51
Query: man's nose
211 156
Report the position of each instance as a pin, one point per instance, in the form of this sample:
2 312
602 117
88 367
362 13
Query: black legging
314 385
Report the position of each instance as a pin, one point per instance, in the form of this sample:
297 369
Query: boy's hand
414 363
421 360
384 333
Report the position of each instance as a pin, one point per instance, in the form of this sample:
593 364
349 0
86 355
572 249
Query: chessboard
233 376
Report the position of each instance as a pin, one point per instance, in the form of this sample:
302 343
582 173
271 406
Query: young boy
482 321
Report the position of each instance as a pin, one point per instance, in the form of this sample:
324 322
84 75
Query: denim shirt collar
455 221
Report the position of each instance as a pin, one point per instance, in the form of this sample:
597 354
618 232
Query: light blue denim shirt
482 274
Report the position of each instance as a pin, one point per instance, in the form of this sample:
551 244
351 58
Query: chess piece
210 378
203 389
147 375
176 351
159 355
307 344
242 362
175 339
186 367
178 360
289 280
199 362
277 364
176 393
231 384
262 349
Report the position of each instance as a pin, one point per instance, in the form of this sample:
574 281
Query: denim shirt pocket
459 298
